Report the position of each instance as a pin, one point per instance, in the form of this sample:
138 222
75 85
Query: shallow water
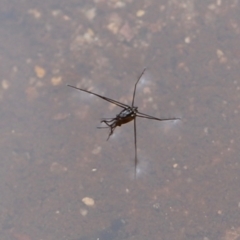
61 179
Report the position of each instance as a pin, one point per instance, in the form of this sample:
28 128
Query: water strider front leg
111 124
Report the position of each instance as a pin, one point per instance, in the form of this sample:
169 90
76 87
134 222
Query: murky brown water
61 179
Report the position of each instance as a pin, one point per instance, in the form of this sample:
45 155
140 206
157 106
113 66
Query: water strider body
127 114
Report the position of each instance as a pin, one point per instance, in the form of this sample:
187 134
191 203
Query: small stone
175 165
35 13
40 72
84 212
90 14
56 81
97 150
88 201
140 13
57 168
5 84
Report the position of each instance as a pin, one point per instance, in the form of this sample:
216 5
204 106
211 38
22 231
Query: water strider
127 114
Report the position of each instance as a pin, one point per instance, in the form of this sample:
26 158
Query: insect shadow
127 114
